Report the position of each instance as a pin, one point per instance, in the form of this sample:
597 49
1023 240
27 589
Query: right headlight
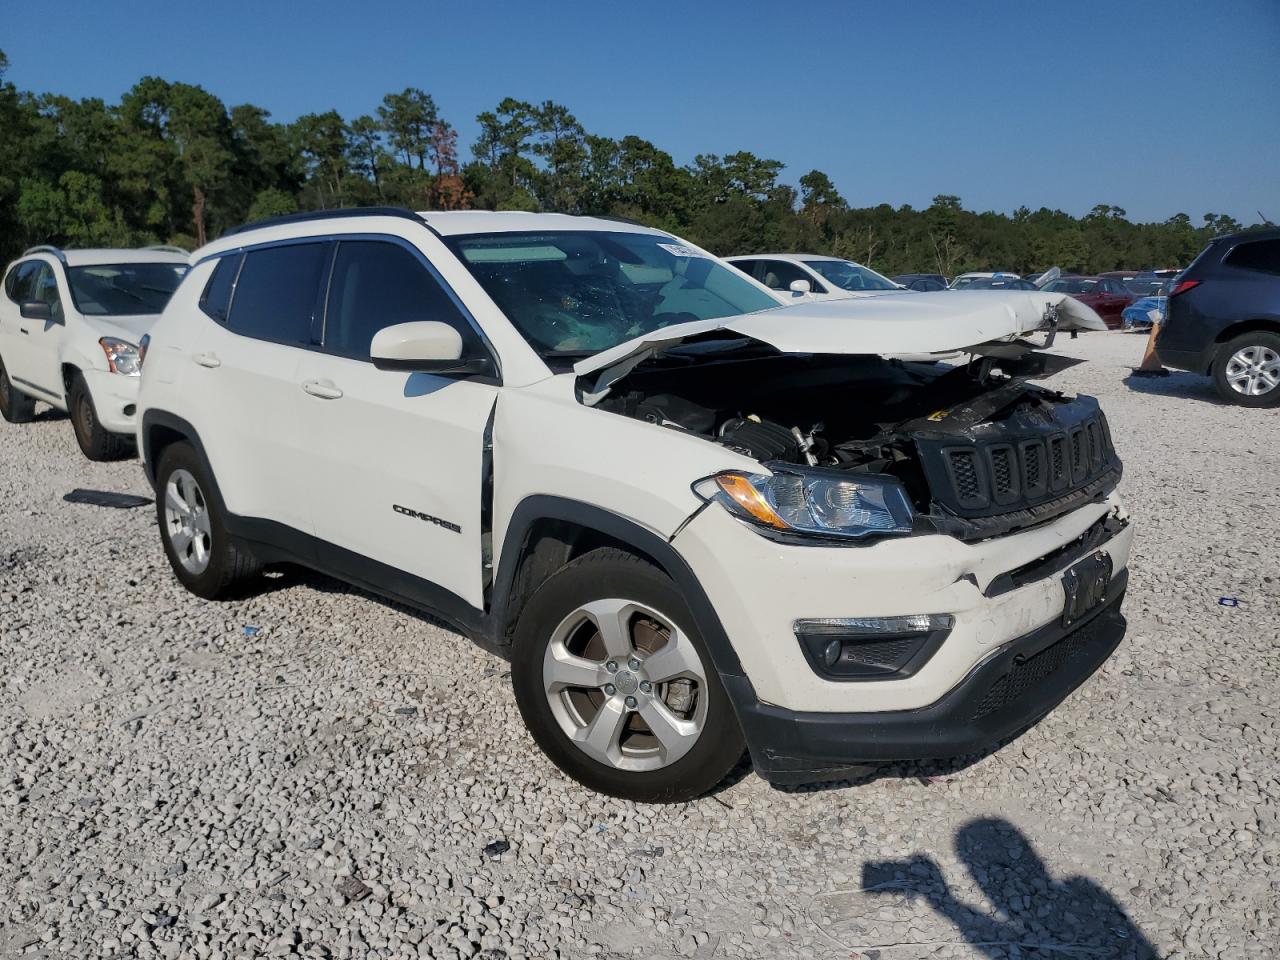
812 503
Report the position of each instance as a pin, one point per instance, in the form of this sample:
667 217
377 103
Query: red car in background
1106 295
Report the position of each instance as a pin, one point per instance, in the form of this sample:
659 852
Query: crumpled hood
130 328
890 325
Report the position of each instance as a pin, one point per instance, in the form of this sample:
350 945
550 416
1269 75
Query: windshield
1145 287
124 289
575 293
996 283
850 276
1071 286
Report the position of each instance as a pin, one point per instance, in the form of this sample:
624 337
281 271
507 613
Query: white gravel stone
174 787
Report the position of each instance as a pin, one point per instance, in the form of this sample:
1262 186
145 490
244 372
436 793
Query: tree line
170 163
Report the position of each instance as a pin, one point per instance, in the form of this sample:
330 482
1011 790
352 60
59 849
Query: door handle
209 360
25 330
324 389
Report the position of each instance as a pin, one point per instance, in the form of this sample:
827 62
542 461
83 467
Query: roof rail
166 248
46 248
326 215
607 216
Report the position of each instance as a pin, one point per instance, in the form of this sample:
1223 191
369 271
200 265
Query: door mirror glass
423 346
801 286
37 310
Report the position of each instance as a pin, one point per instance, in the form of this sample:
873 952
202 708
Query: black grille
1026 675
1002 471
1059 447
1033 457
1021 465
966 475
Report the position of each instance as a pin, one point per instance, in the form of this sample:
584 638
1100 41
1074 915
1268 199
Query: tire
205 557
96 442
557 636
1246 369
15 407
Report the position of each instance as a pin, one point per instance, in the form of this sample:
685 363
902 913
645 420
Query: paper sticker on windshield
680 250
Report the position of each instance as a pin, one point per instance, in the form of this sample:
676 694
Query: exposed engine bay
979 452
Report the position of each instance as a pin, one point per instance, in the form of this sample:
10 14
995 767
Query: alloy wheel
1253 371
187 525
625 685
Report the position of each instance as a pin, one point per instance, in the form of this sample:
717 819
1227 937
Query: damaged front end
861 446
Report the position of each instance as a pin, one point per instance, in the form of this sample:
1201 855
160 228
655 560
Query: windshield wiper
128 293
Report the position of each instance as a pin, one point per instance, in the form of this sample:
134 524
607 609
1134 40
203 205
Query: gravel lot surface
175 785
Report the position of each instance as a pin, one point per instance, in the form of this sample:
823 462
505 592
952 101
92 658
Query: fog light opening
871 648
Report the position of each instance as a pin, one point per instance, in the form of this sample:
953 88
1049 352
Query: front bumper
1003 695
1005 596
115 400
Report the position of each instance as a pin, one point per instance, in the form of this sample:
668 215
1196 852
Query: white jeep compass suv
70 323
695 520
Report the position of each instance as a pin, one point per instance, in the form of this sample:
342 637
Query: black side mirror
37 310
462 367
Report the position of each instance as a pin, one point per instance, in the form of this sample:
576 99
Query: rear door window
1260 255
378 284
746 266
277 293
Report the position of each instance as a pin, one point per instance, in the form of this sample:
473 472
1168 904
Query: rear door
394 463
241 378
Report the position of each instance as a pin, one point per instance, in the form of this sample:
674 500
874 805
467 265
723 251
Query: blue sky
1157 107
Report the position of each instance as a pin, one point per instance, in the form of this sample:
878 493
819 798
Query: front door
394 462
31 346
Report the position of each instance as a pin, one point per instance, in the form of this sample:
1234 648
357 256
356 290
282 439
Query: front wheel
1246 370
617 686
96 442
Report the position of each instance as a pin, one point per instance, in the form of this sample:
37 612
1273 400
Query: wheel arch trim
542 507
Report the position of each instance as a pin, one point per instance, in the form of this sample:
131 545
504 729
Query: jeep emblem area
626 682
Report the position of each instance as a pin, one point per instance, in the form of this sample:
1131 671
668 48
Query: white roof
453 222
103 255
448 223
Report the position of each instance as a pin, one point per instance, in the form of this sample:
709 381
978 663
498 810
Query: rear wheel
616 685
15 407
204 556
96 442
1246 369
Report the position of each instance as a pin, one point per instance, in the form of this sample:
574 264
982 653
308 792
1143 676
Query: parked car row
671 500
1222 318
70 323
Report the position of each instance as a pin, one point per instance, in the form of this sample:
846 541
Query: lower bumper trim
1003 695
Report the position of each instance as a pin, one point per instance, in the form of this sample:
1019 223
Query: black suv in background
1223 318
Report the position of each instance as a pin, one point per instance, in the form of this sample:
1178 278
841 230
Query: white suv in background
70 326
675 505
794 276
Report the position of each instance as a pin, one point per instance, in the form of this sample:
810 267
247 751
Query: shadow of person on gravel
1034 915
